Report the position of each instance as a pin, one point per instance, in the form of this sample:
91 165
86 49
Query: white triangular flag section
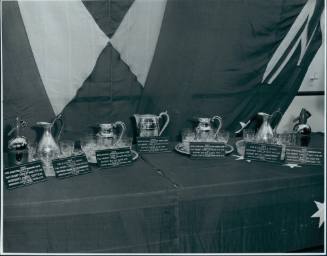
137 36
66 43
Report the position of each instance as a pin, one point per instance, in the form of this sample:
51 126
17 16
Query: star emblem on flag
237 157
292 165
320 213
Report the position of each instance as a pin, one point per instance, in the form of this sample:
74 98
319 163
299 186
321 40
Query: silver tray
180 148
93 160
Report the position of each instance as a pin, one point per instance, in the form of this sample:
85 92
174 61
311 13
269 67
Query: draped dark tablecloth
129 209
170 203
227 205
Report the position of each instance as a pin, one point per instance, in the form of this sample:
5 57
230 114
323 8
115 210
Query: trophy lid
17 143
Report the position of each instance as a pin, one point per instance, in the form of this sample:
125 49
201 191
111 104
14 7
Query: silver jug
48 148
107 136
148 125
266 133
205 129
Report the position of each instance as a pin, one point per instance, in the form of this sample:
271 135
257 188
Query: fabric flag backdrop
110 59
217 64
66 42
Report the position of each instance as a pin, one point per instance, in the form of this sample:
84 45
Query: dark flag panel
110 93
211 57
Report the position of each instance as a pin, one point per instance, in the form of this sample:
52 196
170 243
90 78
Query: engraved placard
114 157
71 166
304 155
207 150
23 175
153 144
263 152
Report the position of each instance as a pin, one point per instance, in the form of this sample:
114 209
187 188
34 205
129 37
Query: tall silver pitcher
48 148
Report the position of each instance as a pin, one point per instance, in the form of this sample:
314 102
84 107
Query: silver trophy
205 129
148 125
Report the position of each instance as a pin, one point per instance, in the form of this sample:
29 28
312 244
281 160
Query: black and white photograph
163 127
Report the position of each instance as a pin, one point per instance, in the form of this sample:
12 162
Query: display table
168 202
229 205
126 209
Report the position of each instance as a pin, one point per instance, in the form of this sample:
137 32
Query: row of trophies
148 125
110 135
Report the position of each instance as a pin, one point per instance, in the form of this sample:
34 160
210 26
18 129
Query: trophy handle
220 123
166 123
275 113
61 122
123 129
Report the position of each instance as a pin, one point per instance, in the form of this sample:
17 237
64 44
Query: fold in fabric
66 43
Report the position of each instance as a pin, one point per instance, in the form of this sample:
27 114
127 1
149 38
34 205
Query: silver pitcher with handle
205 129
266 133
48 148
148 125
107 136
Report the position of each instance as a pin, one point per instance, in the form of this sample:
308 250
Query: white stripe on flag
304 17
314 104
66 43
137 36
